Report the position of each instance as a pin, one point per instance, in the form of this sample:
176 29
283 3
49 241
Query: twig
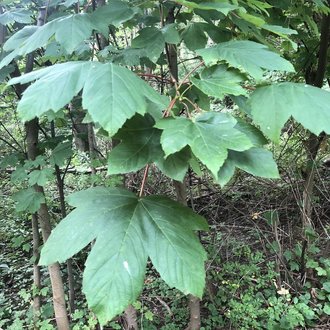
145 175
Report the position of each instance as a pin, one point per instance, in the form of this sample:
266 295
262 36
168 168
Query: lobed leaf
309 105
209 136
28 200
218 81
127 230
248 56
111 93
256 161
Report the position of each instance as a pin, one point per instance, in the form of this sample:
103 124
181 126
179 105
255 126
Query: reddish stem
145 175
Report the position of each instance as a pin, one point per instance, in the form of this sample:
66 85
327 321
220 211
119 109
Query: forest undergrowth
260 273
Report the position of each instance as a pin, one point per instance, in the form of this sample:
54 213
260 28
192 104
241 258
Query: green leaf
111 94
28 200
32 164
127 230
115 13
219 81
129 56
209 136
40 177
279 30
61 153
171 34
54 88
326 286
321 271
72 30
196 96
223 7
26 42
241 102
326 308
248 56
152 41
19 175
140 145
194 37
259 6
17 15
5 72
282 32
309 105
12 159
253 133
195 166
256 161
255 20
176 165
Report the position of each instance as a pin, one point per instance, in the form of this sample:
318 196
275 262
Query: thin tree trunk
60 188
32 132
35 230
172 58
194 302
314 142
92 145
36 269
3 29
130 316
62 321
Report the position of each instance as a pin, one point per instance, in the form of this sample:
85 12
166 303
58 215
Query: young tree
190 52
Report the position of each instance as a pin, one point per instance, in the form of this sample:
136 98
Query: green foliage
308 105
209 136
61 153
17 15
140 145
28 200
111 94
69 31
247 56
218 81
151 41
256 161
156 226
40 177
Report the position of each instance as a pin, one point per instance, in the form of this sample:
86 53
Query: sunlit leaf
248 56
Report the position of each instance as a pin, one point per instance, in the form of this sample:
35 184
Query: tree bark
36 269
130 316
194 302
